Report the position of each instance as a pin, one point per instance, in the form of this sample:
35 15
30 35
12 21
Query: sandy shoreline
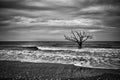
25 70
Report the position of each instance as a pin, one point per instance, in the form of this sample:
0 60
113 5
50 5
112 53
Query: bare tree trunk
79 45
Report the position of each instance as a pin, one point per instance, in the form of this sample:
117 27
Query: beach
15 70
26 62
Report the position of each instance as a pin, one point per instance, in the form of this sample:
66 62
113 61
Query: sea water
93 54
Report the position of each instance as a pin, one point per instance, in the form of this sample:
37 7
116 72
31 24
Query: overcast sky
51 19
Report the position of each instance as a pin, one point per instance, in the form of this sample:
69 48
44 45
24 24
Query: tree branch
78 37
70 39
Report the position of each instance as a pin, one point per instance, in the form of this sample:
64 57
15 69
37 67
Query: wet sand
15 70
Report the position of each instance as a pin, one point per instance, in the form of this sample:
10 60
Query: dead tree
78 37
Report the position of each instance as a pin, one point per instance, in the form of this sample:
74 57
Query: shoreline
86 57
76 65
42 71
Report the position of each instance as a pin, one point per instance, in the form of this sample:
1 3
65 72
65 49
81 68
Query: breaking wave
108 50
86 57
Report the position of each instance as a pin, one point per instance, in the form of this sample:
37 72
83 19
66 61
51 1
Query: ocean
64 44
93 54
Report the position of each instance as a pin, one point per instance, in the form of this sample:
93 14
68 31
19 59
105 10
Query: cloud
94 30
71 22
20 4
98 8
55 16
50 2
57 32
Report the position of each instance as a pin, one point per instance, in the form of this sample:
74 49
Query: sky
46 20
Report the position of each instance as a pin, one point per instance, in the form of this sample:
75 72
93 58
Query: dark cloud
103 2
112 2
2 25
18 4
113 21
10 3
114 12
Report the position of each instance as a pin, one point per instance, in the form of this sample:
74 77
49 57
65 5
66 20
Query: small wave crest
51 48
60 49
80 50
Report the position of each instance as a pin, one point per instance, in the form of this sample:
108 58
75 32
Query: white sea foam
93 57
109 50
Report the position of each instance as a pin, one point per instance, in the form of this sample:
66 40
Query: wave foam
91 59
81 50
